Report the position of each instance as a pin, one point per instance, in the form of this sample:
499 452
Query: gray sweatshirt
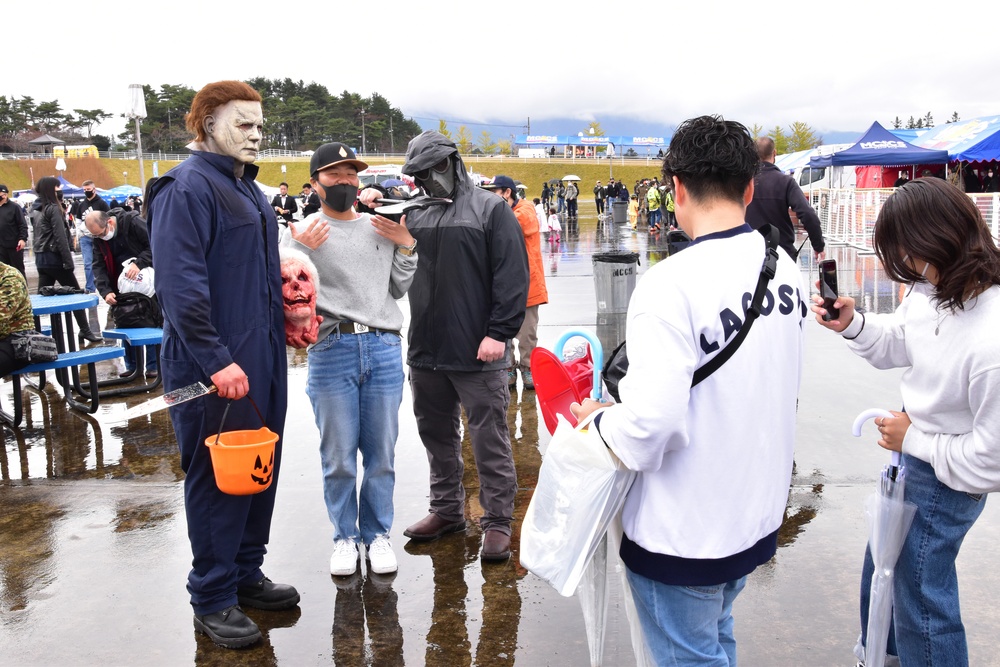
360 274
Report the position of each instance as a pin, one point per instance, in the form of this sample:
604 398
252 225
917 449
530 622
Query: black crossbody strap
767 272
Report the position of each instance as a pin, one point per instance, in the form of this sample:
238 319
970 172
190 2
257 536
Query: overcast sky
836 65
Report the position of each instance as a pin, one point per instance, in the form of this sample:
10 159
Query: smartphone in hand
828 288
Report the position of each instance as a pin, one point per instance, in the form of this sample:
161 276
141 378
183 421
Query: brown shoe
496 546
432 527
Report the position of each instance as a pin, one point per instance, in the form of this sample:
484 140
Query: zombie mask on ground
299 288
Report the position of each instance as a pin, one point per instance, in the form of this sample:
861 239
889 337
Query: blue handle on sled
597 350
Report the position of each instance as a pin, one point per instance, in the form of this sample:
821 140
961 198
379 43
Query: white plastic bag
581 488
143 283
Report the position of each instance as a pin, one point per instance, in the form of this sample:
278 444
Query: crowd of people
248 277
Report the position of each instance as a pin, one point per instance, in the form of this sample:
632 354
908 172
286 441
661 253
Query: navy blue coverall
218 279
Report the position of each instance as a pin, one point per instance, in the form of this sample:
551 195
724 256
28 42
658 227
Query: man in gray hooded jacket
466 304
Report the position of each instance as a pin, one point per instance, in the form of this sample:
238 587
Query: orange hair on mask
213 96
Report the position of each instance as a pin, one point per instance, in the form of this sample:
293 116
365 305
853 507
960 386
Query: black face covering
59 195
340 197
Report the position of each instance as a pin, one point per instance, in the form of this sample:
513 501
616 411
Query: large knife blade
182 395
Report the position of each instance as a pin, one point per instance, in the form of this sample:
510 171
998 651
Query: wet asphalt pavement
94 553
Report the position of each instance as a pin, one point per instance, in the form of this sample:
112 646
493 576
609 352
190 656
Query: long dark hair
46 189
147 196
932 220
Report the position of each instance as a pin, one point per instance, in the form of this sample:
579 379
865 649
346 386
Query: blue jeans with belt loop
356 386
687 626
927 624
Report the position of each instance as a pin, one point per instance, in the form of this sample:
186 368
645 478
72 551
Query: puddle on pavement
444 608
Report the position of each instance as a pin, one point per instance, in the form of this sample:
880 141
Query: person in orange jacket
527 336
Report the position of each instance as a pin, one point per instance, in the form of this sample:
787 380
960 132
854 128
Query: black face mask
59 195
340 197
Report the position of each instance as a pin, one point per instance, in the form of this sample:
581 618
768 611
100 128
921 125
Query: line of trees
21 119
297 116
926 121
797 137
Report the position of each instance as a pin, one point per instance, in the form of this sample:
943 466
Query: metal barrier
847 216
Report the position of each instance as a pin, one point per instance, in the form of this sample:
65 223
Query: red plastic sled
558 384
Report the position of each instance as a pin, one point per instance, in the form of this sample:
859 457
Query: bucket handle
225 412
596 348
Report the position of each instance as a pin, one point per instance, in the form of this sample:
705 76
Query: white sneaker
344 561
381 559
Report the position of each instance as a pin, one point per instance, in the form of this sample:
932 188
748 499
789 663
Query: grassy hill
106 173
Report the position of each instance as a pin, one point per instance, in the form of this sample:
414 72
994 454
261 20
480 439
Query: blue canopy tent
973 140
123 192
880 147
69 190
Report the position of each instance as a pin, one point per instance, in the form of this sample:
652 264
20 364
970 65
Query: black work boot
265 594
229 628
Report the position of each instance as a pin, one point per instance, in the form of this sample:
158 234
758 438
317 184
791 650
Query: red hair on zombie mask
213 96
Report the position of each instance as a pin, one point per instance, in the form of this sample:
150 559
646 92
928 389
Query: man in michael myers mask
215 240
467 302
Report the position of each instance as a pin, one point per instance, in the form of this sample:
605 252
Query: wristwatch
407 249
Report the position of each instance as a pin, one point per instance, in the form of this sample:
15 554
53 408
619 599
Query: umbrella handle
596 348
872 413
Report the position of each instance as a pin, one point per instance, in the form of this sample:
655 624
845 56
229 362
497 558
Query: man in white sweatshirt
715 460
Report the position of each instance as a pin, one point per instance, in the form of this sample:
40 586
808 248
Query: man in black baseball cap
13 231
339 197
328 155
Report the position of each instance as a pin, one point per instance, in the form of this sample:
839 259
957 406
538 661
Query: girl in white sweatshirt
945 333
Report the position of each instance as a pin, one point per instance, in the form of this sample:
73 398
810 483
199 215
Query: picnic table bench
138 338
67 360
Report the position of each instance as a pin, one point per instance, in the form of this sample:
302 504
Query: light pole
138 112
363 149
125 176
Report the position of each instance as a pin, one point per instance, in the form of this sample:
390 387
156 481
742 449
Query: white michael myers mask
235 129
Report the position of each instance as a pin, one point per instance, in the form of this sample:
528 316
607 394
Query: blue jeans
927 623
687 625
87 253
561 204
356 386
130 354
654 217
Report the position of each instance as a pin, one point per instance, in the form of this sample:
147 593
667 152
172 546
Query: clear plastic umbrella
889 519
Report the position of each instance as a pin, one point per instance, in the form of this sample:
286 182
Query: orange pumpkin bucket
243 461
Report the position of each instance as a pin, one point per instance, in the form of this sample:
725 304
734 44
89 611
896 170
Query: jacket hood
427 149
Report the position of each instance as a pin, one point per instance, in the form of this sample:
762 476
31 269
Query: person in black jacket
284 205
13 231
53 257
119 236
774 193
467 302
310 200
90 202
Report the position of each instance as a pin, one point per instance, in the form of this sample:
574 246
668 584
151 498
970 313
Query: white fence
848 215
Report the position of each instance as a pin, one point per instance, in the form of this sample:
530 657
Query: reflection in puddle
26 536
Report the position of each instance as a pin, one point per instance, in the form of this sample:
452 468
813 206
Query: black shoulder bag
617 364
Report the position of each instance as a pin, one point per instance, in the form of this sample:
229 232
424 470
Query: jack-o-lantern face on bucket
264 470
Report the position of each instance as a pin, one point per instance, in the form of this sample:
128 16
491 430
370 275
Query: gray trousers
438 399
527 338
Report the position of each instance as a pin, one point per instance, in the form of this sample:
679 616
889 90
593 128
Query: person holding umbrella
929 235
